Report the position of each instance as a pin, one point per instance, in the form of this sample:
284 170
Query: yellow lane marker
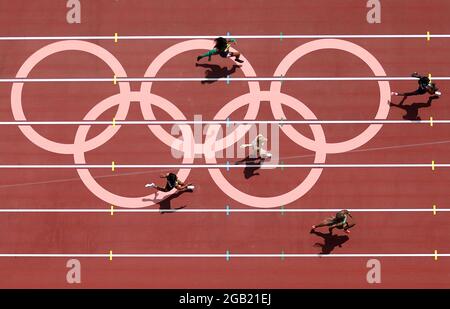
435 255
434 210
114 122
115 80
432 165
113 166
431 121
429 76
116 37
428 35
110 255
112 210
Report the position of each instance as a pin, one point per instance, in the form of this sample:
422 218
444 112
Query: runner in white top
257 147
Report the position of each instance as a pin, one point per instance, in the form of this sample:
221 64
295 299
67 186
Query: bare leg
408 94
326 222
161 189
183 186
349 226
323 224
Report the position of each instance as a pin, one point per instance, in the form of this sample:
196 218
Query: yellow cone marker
435 255
428 35
113 166
431 121
434 210
110 255
116 37
432 165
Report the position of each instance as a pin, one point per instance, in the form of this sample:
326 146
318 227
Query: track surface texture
181 232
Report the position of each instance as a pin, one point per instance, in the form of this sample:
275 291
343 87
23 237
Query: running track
182 232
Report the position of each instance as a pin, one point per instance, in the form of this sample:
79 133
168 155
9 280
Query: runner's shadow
330 241
216 71
412 110
165 204
251 166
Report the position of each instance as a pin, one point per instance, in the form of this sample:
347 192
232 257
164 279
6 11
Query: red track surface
216 233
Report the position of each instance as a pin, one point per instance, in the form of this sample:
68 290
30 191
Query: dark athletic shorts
171 182
421 90
224 54
169 186
423 82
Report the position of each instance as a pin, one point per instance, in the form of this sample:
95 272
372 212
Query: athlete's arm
346 212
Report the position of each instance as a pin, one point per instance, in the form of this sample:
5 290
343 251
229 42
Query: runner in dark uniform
339 221
222 48
425 86
172 183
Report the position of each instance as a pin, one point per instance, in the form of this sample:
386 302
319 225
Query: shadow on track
216 71
251 166
165 205
412 110
330 241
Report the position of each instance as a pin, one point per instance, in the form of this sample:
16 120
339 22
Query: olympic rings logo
123 99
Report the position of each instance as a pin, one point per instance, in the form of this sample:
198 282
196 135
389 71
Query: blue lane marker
228 34
228 209
281 36
282 210
228 166
282 167
228 79
281 76
228 255
228 122
282 255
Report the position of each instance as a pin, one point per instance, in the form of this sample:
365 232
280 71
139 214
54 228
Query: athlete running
172 183
425 86
222 48
339 221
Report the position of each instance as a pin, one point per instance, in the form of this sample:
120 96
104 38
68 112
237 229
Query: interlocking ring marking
368 58
186 144
33 60
163 58
283 199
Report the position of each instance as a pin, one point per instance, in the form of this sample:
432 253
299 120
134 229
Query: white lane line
209 166
216 210
227 122
218 255
202 79
167 170
248 36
